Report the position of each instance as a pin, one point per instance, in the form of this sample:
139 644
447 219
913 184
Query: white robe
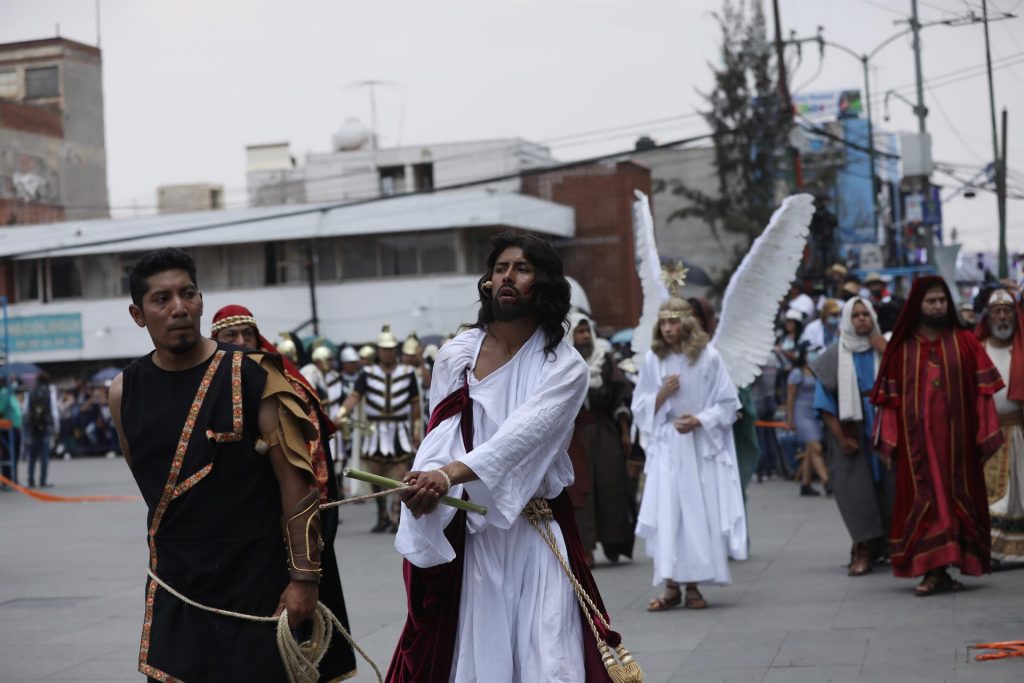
518 617
692 514
1008 463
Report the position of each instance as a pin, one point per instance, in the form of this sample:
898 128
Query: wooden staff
378 480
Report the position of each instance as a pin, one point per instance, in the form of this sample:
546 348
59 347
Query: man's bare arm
299 597
114 400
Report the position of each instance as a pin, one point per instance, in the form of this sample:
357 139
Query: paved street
72 576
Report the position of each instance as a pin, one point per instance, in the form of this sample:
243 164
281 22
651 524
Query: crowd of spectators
808 322
65 420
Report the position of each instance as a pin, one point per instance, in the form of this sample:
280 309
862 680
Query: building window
358 258
126 263
398 255
99 275
423 177
26 280
65 278
271 273
42 82
392 180
326 260
437 252
245 265
9 89
478 248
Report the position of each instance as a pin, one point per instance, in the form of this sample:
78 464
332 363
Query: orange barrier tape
50 498
1010 648
770 423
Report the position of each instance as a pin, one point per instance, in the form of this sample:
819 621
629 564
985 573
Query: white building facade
409 261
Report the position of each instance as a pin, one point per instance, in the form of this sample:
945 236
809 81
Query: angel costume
488 600
692 514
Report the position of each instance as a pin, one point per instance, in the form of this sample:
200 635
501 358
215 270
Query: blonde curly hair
693 339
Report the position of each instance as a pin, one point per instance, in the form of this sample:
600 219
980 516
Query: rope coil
301 660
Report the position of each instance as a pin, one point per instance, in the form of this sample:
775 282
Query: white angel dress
519 621
692 516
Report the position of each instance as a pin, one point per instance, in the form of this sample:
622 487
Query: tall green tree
748 116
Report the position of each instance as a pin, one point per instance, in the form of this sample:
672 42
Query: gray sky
189 83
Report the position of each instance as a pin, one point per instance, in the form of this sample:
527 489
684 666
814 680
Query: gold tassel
625 670
631 671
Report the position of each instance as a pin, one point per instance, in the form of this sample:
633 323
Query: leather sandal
861 562
694 600
937 582
672 597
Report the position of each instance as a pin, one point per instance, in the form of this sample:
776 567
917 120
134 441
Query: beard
585 350
936 322
183 346
1003 331
505 313
182 343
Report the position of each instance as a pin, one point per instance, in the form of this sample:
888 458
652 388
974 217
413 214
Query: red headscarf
1016 379
907 323
240 315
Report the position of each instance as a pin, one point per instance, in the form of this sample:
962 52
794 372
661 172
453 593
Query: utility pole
920 109
787 101
311 279
998 166
871 143
1004 264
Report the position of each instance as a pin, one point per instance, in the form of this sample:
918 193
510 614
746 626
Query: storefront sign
45 332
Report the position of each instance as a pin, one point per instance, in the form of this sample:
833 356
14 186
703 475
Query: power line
952 126
883 7
942 80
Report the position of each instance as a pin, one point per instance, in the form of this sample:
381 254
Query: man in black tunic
215 438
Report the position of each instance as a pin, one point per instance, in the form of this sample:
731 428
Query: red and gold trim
171 490
236 405
192 481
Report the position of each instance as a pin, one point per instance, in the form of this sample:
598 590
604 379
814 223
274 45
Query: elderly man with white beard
1002 334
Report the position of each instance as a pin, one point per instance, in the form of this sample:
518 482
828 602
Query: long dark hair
551 291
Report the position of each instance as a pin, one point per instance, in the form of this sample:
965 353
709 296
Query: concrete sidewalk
72 579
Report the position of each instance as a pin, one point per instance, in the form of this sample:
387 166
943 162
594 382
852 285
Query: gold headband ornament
674 277
231 321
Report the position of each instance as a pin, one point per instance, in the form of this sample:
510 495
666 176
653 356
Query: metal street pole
1004 263
920 109
787 101
871 142
311 278
1000 178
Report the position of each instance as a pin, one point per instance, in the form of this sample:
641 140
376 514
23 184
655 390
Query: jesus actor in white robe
692 513
518 618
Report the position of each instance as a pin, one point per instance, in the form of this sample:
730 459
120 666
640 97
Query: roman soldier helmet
411 345
386 340
286 346
366 351
321 354
349 355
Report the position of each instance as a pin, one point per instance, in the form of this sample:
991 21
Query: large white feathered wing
746 328
648 267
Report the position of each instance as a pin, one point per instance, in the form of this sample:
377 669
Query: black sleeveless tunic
219 540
